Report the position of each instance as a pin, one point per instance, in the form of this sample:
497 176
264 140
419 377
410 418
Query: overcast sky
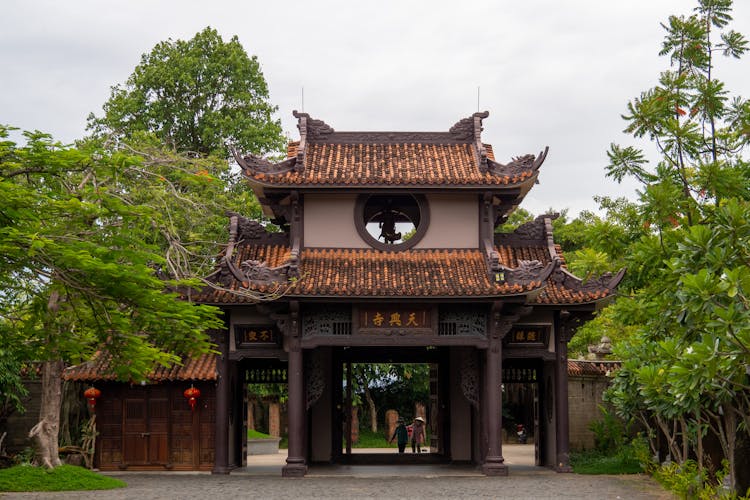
551 73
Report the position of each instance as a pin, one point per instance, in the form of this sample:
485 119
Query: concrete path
262 479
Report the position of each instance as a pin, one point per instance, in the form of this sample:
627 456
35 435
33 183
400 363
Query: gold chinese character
531 336
395 319
264 335
377 320
519 336
252 336
412 321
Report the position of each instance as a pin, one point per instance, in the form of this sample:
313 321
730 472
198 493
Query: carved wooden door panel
158 425
135 431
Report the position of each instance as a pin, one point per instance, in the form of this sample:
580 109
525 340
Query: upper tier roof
326 158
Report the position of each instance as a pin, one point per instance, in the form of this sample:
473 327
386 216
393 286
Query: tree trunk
373 410
45 432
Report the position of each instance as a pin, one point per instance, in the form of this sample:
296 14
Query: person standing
417 435
401 434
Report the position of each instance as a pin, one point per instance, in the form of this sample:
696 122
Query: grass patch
253 434
63 478
596 463
369 439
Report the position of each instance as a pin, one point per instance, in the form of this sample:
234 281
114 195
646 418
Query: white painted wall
329 222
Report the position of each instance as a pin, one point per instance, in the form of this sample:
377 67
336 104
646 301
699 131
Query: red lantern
192 394
92 394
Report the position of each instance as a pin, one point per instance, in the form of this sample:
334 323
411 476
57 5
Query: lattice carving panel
462 323
327 322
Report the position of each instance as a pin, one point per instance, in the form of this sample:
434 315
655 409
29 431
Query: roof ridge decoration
606 281
538 231
252 272
517 166
470 129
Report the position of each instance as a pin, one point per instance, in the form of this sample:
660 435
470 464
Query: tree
80 270
686 368
196 96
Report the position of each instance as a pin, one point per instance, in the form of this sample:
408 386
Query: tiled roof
202 367
577 367
389 164
412 273
374 273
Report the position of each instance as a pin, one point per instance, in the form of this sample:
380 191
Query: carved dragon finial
518 165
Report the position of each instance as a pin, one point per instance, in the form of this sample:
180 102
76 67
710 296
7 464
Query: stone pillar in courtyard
274 419
420 411
391 417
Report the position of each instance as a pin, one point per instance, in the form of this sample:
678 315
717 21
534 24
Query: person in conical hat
417 435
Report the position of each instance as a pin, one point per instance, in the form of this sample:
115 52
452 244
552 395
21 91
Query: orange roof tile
202 367
374 273
391 164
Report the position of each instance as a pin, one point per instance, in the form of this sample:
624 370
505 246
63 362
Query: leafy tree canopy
196 96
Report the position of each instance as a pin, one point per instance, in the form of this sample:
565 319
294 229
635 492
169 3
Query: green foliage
369 439
253 434
624 460
196 96
517 218
81 237
606 322
685 367
63 478
687 480
609 432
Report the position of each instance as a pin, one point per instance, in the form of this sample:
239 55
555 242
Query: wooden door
135 431
145 427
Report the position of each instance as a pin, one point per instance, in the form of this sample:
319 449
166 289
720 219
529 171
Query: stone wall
584 398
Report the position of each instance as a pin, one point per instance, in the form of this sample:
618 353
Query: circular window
391 221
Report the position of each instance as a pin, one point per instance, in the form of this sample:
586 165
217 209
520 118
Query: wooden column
562 438
295 462
221 439
494 463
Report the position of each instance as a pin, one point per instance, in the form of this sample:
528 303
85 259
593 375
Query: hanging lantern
92 394
192 394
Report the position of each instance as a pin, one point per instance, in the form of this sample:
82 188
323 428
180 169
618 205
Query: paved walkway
262 479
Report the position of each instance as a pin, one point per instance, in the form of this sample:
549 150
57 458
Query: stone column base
220 470
561 467
294 468
495 467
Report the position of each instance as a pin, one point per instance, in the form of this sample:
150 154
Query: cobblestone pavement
262 479
534 485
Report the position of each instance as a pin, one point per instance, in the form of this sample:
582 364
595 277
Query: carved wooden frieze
470 378
315 380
